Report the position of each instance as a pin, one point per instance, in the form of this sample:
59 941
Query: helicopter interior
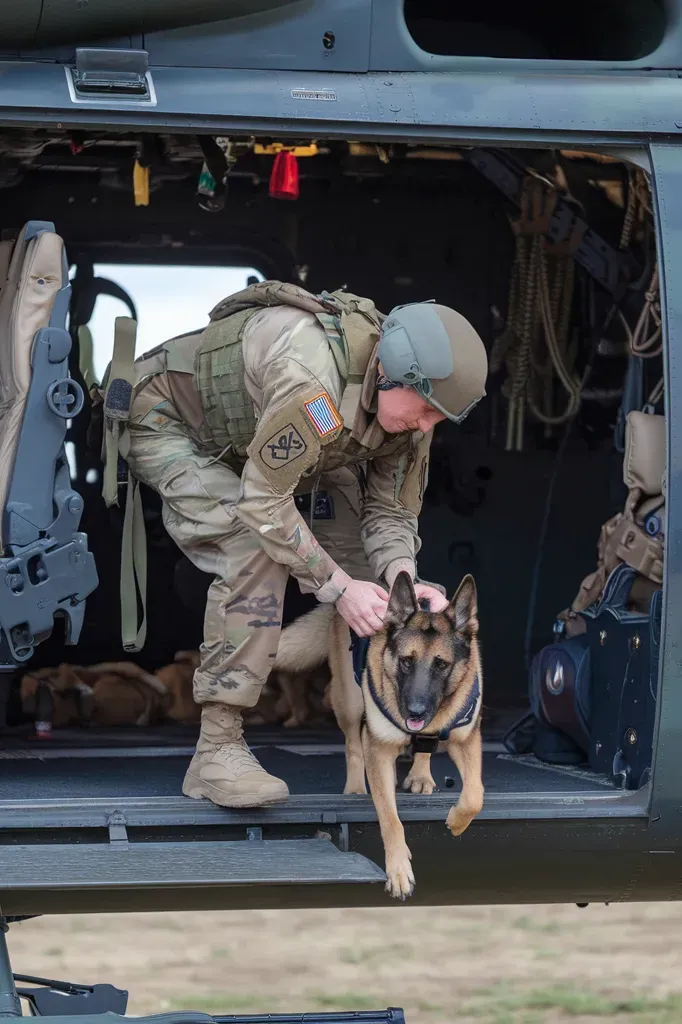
551 254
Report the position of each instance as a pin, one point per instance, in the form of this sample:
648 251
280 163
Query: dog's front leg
468 756
346 699
380 765
420 779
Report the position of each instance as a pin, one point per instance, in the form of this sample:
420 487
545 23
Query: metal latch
111 74
118 834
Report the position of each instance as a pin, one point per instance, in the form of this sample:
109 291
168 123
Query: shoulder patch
323 415
289 439
283 447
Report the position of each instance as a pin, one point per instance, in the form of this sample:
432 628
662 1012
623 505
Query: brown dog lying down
423 679
294 699
123 694
116 693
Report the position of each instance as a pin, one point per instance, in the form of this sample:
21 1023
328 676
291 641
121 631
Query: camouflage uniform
295 425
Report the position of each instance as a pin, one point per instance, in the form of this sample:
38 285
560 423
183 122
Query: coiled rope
536 346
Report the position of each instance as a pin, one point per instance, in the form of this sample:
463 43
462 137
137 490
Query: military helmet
436 351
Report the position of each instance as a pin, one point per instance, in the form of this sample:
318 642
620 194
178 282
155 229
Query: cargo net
538 348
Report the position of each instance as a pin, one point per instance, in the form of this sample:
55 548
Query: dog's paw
355 789
458 820
293 722
400 877
419 783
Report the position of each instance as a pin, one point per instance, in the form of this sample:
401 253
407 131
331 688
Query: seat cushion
26 301
644 461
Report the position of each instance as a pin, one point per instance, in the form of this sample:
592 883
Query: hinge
118 834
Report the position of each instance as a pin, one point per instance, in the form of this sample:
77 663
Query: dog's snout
417 708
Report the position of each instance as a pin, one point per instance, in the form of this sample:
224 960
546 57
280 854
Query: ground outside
473 965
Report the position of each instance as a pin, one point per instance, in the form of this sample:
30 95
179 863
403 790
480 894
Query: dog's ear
402 602
463 609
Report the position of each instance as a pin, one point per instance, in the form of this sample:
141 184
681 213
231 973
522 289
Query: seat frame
46 568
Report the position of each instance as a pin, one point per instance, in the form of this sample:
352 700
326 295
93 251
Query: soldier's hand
363 606
437 601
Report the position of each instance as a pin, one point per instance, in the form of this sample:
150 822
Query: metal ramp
123 864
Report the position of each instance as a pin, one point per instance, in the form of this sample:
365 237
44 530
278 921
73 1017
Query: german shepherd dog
423 679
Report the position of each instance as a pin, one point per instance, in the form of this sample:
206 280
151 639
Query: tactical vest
351 328
625 540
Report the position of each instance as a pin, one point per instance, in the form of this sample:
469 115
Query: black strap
424 744
359 646
466 715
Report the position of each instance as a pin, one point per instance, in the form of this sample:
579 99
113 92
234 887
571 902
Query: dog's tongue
415 724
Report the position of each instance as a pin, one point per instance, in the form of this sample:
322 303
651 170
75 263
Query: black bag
560 699
624 654
557 730
593 696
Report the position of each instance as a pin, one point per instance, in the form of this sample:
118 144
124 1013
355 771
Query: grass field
473 965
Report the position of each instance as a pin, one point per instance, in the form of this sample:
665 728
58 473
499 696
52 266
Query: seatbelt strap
133 570
633 398
118 397
85 356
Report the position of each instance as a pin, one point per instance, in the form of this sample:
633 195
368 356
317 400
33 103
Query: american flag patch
324 416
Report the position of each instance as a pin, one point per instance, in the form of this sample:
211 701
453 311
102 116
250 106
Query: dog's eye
406 663
440 664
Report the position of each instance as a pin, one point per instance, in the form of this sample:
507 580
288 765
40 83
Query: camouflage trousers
244 608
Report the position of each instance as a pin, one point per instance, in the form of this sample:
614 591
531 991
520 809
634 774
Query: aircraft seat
45 564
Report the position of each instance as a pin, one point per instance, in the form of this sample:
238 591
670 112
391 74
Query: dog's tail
304 644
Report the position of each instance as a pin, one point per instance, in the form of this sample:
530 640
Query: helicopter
405 151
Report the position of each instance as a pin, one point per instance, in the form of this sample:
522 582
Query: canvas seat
636 536
45 566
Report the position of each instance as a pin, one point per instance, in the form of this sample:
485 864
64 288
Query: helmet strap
384 384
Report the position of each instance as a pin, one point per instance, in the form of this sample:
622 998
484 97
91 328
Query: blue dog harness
359 645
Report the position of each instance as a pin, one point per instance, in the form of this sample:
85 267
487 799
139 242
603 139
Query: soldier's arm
286 537
299 417
395 490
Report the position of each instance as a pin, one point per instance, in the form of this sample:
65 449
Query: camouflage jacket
311 428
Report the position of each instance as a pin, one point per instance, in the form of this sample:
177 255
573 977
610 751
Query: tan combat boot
224 769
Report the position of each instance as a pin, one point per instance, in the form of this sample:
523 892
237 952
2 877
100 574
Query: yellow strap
279 147
133 570
121 370
141 184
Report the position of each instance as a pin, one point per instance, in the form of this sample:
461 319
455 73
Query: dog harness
359 646
422 743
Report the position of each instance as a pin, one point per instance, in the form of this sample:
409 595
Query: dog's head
69 697
428 657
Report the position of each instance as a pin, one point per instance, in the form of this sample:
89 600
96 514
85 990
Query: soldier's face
403 409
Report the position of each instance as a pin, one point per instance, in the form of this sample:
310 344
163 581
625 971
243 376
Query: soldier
292 436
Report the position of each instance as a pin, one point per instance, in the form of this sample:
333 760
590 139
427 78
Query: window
170 300
595 30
